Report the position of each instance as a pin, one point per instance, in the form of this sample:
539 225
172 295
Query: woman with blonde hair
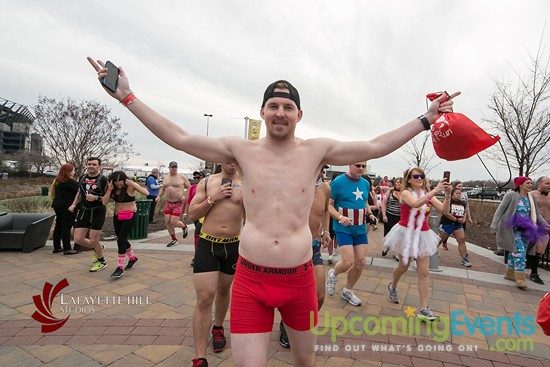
62 192
412 237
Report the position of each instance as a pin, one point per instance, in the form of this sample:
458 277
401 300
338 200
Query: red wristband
128 99
427 197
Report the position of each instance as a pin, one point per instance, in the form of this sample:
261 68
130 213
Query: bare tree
72 131
521 116
418 153
40 161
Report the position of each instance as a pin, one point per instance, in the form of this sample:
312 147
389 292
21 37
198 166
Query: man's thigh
319 278
249 311
224 282
206 284
346 252
94 235
360 251
205 260
80 233
303 346
250 349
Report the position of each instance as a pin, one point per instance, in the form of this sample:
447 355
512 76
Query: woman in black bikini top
122 191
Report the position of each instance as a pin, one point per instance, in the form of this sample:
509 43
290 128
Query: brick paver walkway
156 328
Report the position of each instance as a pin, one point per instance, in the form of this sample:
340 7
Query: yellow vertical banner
254 127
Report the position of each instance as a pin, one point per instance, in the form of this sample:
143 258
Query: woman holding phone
412 237
452 223
122 191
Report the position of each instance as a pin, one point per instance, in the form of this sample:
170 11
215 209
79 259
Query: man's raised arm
219 149
342 153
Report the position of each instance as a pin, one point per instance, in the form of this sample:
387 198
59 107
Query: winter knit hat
519 180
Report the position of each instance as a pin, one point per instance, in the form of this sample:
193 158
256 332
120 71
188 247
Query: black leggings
64 221
122 230
152 208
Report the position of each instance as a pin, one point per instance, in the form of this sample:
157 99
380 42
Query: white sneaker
415 266
331 282
426 314
349 296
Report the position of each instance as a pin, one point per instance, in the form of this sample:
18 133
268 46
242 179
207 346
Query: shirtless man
319 218
221 205
174 186
543 202
279 173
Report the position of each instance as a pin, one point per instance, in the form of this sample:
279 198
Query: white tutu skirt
396 240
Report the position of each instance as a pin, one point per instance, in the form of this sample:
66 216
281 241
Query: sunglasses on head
418 176
360 165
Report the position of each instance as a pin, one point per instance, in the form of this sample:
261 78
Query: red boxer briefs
258 290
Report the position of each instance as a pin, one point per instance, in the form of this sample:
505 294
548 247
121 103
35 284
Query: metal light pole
207 165
207 122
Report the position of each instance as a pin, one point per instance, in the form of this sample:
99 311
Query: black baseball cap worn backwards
293 95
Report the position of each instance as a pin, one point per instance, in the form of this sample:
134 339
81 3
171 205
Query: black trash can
139 231
45 190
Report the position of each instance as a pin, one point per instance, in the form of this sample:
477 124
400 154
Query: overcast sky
361 67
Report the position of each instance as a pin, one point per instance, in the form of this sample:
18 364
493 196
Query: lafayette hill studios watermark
70 304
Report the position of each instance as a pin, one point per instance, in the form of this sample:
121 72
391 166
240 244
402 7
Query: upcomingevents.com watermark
513 332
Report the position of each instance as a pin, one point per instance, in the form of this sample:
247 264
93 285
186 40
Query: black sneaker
185 232
218 340
200 362
131 263
535 278
172 243
283 336
117 273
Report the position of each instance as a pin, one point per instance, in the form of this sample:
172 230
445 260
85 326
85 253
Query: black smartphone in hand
110 81
229 181
447 176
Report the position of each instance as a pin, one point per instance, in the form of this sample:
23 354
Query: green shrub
32 204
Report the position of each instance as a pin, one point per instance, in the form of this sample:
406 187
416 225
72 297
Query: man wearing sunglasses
350 211
278 171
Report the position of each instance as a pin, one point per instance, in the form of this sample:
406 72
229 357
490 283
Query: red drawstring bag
455 136
543 315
